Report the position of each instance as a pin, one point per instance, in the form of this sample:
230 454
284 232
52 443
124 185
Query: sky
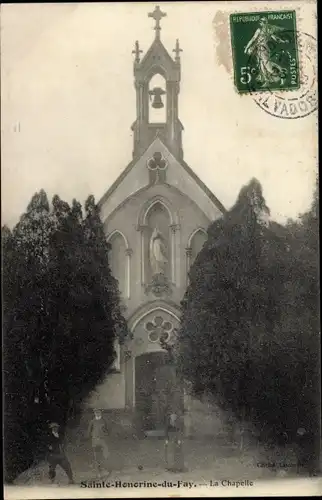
68 102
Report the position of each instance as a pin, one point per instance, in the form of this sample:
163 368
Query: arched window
118 258
157 99
195 244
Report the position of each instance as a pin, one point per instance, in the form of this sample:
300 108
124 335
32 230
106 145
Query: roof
116 183
157 49
203 186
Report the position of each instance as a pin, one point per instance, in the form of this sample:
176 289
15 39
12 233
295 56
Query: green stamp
264 47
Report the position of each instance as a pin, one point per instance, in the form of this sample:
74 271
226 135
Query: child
56 454
98 433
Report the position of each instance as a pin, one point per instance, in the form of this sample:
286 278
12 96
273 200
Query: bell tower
157 85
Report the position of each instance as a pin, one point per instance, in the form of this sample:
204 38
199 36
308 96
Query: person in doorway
98 433
56 454
306 452
173 442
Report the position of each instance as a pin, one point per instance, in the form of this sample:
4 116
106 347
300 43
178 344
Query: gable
178 174
157 59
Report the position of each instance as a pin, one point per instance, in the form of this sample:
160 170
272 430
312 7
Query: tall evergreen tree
25 291
85 300
299 323
62 317
249 319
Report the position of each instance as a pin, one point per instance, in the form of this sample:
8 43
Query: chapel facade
155 216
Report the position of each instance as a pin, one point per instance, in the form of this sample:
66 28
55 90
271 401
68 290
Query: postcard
160 249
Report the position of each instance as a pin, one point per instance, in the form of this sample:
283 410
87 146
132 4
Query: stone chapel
156 216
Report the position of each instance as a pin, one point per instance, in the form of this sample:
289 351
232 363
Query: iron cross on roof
157 15
177 50
137 52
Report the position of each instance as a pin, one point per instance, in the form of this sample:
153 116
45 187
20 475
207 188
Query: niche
117 258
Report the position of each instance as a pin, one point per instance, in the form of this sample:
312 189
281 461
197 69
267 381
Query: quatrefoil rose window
158 329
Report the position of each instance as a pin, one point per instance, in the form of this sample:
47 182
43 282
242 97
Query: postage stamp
265 51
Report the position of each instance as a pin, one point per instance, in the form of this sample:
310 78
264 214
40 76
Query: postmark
300 102
265 51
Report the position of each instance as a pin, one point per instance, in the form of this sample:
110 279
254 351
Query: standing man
307 459
173 443
98 433
56 454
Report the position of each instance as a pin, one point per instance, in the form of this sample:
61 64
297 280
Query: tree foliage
249 334
61 317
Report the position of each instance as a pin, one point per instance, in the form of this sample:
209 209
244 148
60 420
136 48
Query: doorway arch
150 375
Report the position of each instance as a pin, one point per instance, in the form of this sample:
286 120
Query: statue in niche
158 253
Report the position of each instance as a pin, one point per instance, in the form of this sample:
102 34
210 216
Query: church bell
156 94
